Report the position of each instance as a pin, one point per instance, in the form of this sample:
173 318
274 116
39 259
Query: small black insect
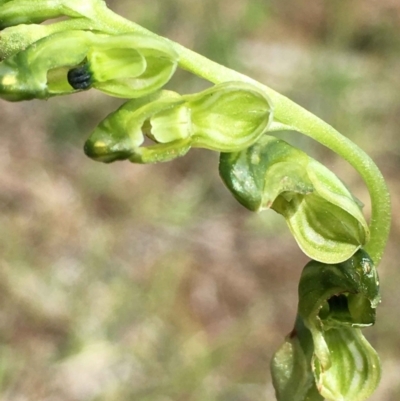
80 77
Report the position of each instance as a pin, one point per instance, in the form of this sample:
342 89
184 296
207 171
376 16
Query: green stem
295 117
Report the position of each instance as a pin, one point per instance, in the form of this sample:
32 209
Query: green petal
324 231
131 65
333 190
229 116
355 369
171 124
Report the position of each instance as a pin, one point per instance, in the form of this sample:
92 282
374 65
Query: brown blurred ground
150 283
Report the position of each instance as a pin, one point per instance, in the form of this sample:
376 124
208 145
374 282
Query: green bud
327 351
226 117
15 12
128 65
321 213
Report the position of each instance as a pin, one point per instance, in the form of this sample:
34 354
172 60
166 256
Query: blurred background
151 283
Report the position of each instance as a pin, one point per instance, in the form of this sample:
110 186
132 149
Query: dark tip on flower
80 77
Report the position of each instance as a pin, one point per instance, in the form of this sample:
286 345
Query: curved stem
297 118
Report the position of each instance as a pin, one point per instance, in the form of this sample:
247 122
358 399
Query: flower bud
321 213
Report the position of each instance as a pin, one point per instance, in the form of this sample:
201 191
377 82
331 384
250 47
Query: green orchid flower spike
323 216
226 118
127 65
326 356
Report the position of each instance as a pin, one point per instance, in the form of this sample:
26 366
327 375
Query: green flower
323 216
326 356
227 117
127 65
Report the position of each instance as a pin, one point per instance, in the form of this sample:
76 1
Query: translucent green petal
324 231
229 117
355 369
131 65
